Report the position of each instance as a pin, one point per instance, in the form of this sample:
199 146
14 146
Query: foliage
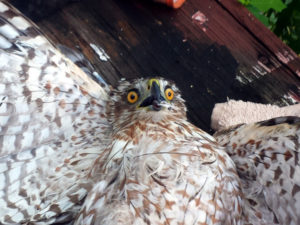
281 16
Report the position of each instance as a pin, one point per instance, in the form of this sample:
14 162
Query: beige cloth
236 112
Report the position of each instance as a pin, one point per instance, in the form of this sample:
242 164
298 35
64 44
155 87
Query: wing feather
267 158
53 123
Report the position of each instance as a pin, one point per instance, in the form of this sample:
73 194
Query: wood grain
223 53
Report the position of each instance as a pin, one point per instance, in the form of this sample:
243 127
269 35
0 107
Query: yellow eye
132 97
169 94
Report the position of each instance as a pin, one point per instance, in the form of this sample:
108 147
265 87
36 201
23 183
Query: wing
267 158
53 124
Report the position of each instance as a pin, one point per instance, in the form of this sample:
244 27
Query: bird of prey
73 150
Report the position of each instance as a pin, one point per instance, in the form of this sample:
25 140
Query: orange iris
169 94
132 97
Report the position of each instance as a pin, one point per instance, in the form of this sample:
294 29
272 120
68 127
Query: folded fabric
236 112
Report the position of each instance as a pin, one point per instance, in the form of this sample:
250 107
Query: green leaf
244 2
258 14
287 2
281 16
265 5
273 18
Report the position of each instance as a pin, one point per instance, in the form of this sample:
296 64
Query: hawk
74 150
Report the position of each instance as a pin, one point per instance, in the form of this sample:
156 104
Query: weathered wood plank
216 55
271 42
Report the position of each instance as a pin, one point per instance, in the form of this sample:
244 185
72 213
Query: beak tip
156 106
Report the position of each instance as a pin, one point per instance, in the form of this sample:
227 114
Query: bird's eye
132 97
169 94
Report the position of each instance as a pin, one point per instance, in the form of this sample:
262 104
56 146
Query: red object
172 3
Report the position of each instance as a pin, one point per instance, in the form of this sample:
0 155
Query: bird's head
147 98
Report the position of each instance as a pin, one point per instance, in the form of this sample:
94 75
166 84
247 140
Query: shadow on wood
212 49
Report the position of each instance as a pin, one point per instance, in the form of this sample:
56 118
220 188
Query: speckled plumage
73 150
160 169
266 155
52 122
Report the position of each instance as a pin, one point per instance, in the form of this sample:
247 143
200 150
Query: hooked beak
155 97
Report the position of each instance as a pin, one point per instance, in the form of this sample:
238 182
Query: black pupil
132 96
169 93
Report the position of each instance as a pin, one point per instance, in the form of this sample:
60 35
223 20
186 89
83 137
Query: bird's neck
166 129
